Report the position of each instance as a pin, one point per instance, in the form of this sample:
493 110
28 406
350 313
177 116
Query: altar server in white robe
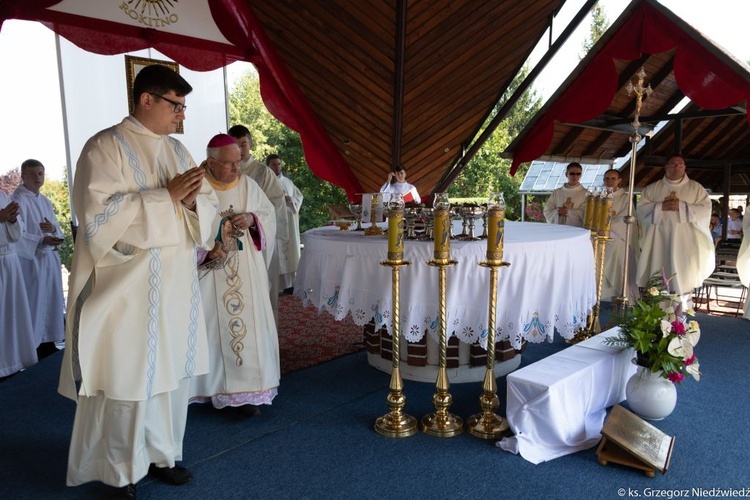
39 262
674 215
136 334
270 185
289 247
17 344
567 204
397 184
614 256
242 338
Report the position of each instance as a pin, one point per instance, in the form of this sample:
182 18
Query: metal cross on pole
622 301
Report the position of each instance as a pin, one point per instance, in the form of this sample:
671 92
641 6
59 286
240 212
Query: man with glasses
242 338
567 204
674 214
136 333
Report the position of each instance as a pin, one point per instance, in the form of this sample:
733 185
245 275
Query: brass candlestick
600 230
395 423
489 425
374 230
441 423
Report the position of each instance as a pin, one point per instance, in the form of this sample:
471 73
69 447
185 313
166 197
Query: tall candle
495 233
597 213
395 235
442 233
588 220
604 214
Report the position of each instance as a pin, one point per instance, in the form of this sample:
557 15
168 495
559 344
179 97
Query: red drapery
237 22
700 75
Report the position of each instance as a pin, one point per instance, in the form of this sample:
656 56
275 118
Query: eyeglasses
574 173
227 164
178 106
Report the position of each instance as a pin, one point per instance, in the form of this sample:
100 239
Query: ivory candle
396 235
442 232
495 233
604 213
588 219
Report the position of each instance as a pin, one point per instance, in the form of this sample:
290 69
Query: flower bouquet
663 338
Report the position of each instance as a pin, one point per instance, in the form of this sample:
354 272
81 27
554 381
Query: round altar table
550 285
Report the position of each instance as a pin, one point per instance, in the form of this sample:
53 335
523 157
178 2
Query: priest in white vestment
674 215
614 256
39 261
17 341
289 247
136 334
268 182
567 204
243 343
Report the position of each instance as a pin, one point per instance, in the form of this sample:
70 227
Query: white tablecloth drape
549 284
557 406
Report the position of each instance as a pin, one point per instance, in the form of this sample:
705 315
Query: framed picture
133 65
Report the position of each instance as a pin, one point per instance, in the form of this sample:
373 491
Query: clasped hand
185 187
670 205
242 221
10 212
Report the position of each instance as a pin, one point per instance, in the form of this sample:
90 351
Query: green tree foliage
487 171
57 192
599 24
271 136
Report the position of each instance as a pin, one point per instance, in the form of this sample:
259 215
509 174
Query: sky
31 124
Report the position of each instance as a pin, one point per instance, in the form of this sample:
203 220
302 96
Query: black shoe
171 475
124 492
248 410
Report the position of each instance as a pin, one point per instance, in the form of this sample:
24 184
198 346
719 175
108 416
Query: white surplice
676 241
17 341
559 197
614 256
270 185
404 188
242 336
289 248
41 267
136 328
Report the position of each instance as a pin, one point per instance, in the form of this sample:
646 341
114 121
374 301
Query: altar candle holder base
488 424
395 423
593 326
442 423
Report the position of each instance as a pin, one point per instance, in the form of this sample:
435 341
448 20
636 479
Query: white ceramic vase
650 395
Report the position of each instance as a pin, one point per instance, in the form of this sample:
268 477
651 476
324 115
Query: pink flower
678 328
690 360
675 377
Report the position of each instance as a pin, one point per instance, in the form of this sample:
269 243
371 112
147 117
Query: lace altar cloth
549 285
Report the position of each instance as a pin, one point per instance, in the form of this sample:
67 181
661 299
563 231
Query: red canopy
702 76
114 28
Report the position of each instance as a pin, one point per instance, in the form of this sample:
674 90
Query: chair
724 276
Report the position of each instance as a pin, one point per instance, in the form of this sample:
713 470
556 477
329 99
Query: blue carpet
317 440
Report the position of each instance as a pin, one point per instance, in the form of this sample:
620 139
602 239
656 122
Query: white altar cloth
549 285
558 405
